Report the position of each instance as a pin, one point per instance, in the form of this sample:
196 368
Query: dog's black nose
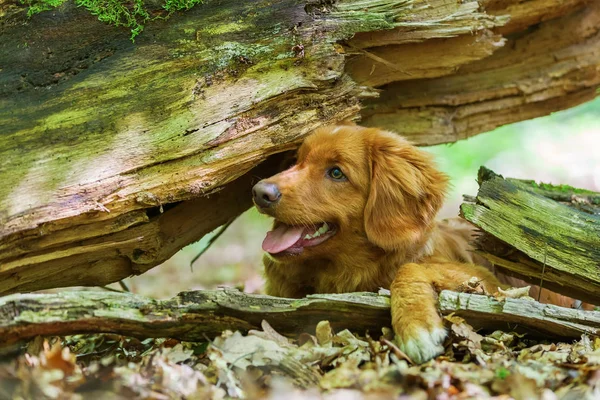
265 194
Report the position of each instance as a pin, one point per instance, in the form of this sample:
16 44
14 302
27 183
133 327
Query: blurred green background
561 148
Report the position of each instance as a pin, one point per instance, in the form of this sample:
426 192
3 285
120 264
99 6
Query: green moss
382 14
41 5
178 5
236 51
132 14
560 188
224 28
41 316
55 121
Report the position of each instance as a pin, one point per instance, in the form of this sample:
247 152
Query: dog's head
350 182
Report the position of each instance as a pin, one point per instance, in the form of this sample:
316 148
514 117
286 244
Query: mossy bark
544 234
520 315
198 315
189 316
115 154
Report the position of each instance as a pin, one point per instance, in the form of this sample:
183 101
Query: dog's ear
405 193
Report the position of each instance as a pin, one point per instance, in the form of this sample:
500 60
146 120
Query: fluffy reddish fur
387 233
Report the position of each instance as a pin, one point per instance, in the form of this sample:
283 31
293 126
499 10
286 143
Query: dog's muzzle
266 194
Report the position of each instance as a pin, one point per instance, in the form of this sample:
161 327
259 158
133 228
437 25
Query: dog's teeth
323 229
309 236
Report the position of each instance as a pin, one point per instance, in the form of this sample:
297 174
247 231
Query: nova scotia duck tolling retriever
357 213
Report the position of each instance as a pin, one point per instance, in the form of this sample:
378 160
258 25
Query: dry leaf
269 333
177 354
473 285
514 293
324 333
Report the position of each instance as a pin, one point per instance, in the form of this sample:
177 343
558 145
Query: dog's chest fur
327 276
365 268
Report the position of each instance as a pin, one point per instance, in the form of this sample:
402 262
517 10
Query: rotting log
192 316
198 315
132 243
104 142
544 234
536 319
540 62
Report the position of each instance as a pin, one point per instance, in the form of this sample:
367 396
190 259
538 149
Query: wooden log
462 98
527 234
100 253
192 316
198 315
98 134
537 319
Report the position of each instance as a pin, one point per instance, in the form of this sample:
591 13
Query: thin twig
108 289
381 60
124 286
396 350
210 242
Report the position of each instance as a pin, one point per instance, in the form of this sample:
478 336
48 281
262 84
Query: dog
357 213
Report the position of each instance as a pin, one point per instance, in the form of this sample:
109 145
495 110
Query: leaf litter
324 365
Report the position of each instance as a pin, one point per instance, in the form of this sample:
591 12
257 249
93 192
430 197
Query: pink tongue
282 238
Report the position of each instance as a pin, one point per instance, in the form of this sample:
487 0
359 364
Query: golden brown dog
357 213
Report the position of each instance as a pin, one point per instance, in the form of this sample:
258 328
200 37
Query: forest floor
318 365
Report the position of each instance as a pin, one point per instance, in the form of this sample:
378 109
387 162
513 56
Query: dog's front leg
418 327
417 324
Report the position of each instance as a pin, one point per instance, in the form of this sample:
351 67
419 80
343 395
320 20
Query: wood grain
201 315
535 237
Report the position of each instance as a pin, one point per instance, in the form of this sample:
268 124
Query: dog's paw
422 344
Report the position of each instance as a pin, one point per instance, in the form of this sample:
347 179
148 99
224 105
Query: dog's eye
336 174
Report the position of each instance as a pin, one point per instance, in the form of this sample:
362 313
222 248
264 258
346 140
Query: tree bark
198 315
540 233
192 316
115 154
537 63
521 315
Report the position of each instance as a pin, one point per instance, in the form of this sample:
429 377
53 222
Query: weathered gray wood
461 100
520 314
530 235
189 316
196 315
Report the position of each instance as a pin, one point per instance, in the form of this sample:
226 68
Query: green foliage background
463 158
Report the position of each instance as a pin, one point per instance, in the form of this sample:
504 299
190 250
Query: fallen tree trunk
547 235
107 146
198 315
536 319
190 316
460 101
